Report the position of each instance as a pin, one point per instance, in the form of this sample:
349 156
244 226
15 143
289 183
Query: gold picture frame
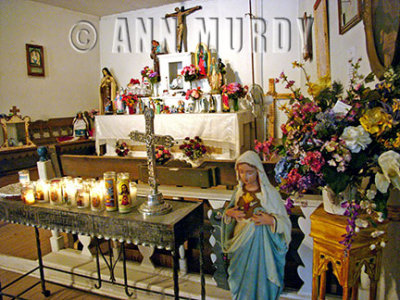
349 14
381 24
322 54
34 60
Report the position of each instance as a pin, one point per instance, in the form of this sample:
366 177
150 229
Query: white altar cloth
224 130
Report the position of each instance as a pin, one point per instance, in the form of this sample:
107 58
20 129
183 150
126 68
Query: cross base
155 205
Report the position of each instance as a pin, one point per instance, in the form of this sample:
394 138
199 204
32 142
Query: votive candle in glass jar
97 196
110 197
55 192
42 190
133 192
124 197
24 176
28 194
70 193
82 196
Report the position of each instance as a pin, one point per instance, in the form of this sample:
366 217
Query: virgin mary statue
255 234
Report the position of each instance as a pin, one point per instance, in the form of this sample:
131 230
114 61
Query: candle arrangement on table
115 192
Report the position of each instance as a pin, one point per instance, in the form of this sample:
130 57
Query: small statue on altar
181 106
118 103
108 90
181 30
215 77
256 233
222 70
81 125
155 50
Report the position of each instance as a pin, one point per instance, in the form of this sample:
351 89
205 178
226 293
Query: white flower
389 162
380 218
357 229
377 233
372 247
383 244
361 223
371 194
332 163
356 138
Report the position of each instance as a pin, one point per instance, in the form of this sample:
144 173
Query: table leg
125 275
98 285
345 293
202 280
45 292
175 254
322 286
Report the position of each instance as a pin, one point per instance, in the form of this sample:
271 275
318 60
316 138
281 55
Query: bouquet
162 154
233 91
129 98
343 142
191 73
150 74
194 94
133 82
121 148
193 148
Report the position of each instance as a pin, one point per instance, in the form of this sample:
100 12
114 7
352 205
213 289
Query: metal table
166 231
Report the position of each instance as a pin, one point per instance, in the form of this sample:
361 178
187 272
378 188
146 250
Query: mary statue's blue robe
257 252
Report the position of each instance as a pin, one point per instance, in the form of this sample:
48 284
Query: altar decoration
121 148
232 91
193 149
130 101
195 95
28 193
191 73
124 197
150 74
334 141
162 154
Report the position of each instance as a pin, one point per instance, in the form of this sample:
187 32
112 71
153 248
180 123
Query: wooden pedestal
327 231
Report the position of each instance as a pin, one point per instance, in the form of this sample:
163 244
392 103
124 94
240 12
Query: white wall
125 66
72 78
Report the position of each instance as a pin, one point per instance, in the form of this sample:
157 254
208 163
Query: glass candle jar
42 190
110 197
55 192
70 193
133 192
28 194
97 196
65 182
24 176
124 197
82 196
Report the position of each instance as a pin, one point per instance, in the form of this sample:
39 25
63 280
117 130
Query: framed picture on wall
34 60
322 54
349 14
202 58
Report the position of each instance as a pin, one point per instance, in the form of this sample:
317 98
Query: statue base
155 205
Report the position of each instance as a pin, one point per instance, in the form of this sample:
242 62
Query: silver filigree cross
155 204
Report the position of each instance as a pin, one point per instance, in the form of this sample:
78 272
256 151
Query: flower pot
233 105
332 202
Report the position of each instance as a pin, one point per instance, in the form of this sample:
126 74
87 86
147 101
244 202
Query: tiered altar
229 134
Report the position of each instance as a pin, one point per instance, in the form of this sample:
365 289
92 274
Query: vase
233 105
332 202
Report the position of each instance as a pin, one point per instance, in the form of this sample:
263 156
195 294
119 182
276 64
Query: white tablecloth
219 129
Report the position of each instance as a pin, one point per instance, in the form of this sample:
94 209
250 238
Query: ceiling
102 8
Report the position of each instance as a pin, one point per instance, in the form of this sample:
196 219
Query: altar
228 134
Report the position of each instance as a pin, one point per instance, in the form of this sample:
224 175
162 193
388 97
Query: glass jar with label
110 192
42 190
65 183
97 196
28 193
24 176
133 192
124 197
55 192
82 196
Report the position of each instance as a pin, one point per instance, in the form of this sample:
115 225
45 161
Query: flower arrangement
129 98
150 74
340 142
265 149
233 91
191 73
133 82
162 154
121 148
194 94
193 148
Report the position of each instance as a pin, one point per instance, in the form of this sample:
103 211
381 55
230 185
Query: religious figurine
81 126
108 90
155 50
118 103
222 70
181 106
256 232
215 77
181 30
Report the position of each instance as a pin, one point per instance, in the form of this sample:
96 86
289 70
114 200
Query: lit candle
133 192
96 197
55 193
65 182
40 190
71 194
46 191
82 197
28 194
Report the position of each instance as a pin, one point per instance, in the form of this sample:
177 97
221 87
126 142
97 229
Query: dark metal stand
45 292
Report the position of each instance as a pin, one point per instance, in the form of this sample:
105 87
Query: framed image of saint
349 14
34 60
202 58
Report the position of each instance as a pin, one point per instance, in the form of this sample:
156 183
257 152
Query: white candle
96 197
30 197
70 191
55 193
133 193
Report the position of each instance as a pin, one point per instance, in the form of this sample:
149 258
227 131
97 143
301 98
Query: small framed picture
35 60
349 14
202 58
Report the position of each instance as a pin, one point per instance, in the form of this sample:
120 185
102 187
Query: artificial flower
356 138
376 121
389 162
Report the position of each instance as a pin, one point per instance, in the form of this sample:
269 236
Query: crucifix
155 204
14 111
